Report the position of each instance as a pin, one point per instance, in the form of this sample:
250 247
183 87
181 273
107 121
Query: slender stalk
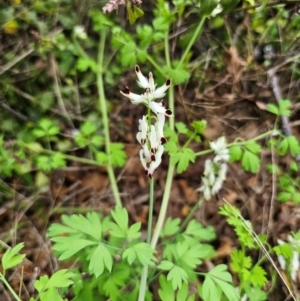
196 34
191 214
150 213
144 277
164 206
143 286
155 65
2 278
103 109
51 152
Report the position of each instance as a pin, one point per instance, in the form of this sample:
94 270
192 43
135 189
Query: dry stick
285 122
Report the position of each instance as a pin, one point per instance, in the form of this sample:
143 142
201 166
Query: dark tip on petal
137 68
149 175
163 140
146 172
168 112
152 157
126 91
168 82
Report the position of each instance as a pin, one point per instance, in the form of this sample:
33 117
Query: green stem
103 109
144 277
67 157
155 65
191 214
164 206
150 214
2 278
207 151
143 286
192 42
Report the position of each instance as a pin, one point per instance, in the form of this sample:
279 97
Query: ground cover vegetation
149 150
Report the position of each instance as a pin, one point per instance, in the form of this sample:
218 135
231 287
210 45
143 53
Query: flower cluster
215 170
150 136
114 5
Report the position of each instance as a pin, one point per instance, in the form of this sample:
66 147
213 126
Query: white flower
150 94
214 176
80 32
219 147
159 125
150 136
141 136
156 162
154 141
158 108
206 189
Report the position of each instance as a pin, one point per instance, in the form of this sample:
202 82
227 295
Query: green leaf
181 127
284 107
283 147
210 292
58 160
228 290
253 147
101 157
191 255
220 272
46 127
177 275
166 265
145 33
183 158
68 246
166 291
120 216
50 295
128 54
60 278
293 145
134 231
88 128
195 229
85 63
177 76
133 12
273 109
89 225
182 293
219 277
235 153
118 155
171 147
284 196
171 227
142 251
255 293
240 261
10 257
257 276
286 250
141 55
296 197
100 259
250 162
207 7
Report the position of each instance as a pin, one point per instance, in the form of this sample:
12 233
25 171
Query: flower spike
150 136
